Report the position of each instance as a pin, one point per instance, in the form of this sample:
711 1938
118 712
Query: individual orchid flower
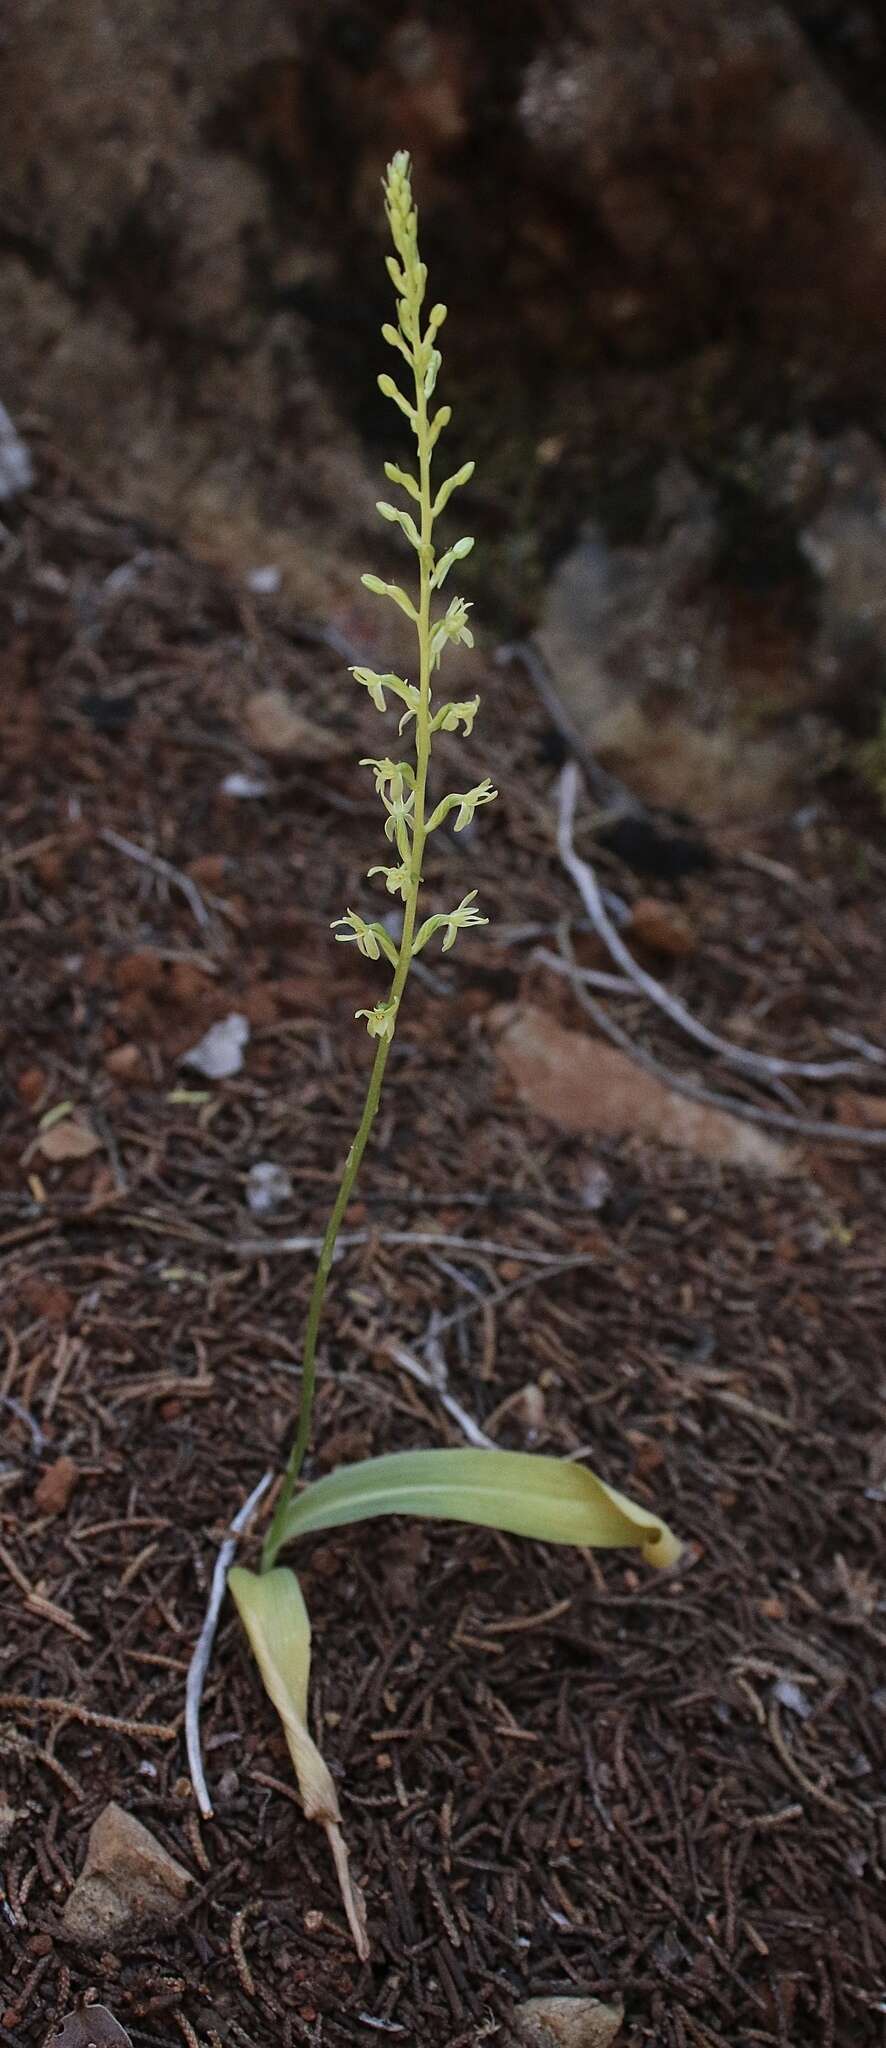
465 803
371 939
454 921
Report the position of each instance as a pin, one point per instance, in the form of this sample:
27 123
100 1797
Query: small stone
268 1186
30 1085
16 467
662 927
123 1061
275 727
220 1052
244 786
91 2026
70 1139
208 870
54 1489
595 1188
128 1878
141 971
864 1112
265 581
792 1697
589 1088
187 983
567 2023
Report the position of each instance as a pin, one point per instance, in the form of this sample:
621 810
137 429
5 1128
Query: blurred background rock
661 228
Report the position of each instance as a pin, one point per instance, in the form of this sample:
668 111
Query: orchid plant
527 1495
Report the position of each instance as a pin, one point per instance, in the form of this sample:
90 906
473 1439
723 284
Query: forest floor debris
609 1797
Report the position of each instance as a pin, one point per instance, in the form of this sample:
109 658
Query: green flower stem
276 1532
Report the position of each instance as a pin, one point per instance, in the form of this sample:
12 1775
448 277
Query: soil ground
558 1773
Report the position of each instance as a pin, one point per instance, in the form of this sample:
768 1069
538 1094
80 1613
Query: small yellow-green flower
381 1021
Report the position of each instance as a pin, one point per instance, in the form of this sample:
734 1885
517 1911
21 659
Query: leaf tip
663 1549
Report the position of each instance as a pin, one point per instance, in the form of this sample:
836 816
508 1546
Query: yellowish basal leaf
541 1497
272 1609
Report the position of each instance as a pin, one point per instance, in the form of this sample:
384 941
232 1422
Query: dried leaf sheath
274 1615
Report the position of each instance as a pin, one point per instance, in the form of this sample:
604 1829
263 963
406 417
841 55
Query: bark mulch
559 1773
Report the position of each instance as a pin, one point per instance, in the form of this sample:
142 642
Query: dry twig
766 1066
199 1664
775 1119
161 867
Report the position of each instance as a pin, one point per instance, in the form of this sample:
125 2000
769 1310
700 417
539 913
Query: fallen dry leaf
54 1489
275 727
585 1085
68 1140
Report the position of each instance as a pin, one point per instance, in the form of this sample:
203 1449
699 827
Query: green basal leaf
526 1495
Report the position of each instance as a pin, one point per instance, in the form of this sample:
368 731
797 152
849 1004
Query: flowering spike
565 1502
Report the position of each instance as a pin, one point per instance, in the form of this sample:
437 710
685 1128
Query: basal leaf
526 1495
274 1615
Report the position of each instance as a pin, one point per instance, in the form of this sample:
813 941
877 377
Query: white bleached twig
407 1362
262 1247
164 868
199 1664
752 1112
767 1067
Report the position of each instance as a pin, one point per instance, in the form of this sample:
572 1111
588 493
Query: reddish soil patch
557 1773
